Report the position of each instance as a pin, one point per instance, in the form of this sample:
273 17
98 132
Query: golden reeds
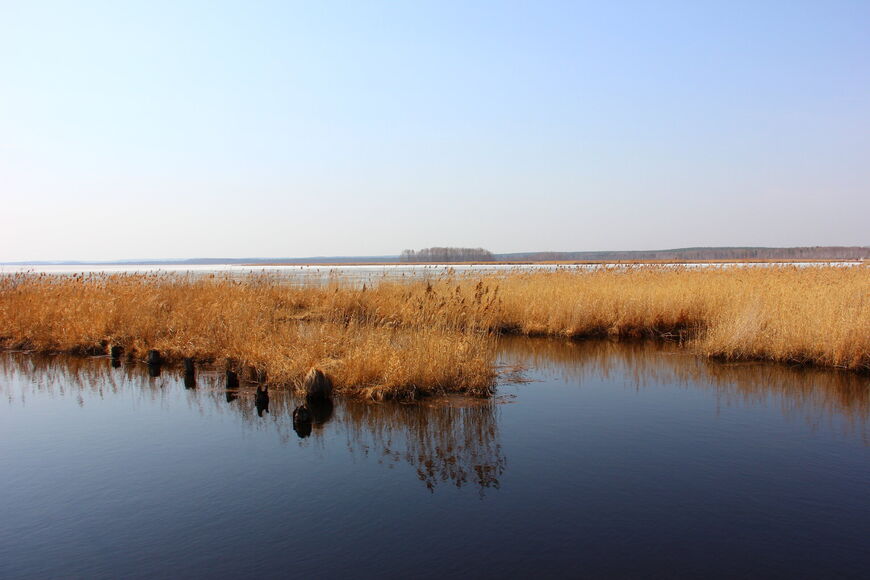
808 315
254 322
403 339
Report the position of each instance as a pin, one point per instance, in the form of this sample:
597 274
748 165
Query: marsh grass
817 315
404 339
804 315
255 323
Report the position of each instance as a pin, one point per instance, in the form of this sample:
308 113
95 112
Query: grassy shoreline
405 339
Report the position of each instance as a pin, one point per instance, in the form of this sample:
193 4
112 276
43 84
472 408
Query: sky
288 129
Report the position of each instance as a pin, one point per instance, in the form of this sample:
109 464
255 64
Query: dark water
614 461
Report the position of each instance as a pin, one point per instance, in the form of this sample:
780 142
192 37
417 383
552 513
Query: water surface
608 460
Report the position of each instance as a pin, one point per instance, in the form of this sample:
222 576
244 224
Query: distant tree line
738 253
444 255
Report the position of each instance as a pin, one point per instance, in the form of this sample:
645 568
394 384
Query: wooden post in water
232 366
154 361
261 400
189 373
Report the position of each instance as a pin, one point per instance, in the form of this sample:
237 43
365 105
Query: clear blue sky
180 129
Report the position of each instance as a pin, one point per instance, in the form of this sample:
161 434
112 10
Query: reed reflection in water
451 440
815 394
456 441
608 450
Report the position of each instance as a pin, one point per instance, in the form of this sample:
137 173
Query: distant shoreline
444 264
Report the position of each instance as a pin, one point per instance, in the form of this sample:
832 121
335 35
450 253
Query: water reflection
640 463
453 442
261 400
311 413
814 393
446 443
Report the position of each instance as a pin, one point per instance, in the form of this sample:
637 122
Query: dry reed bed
403 339
255 322
807 315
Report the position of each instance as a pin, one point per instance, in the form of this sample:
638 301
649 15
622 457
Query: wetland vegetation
406 339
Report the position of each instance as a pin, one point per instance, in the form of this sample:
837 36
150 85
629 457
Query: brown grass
808 315
403 339
256 322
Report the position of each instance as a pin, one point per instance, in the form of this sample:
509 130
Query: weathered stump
261 399
232 380
154 361
317 385
301 414
262 394
189 373
302 421
116 351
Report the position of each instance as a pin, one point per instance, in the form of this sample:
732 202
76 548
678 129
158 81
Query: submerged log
317 385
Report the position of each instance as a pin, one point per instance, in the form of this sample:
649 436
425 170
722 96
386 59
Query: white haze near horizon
281 129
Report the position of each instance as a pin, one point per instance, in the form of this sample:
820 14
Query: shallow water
608 460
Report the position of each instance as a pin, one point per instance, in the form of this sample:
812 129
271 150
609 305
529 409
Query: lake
594 459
